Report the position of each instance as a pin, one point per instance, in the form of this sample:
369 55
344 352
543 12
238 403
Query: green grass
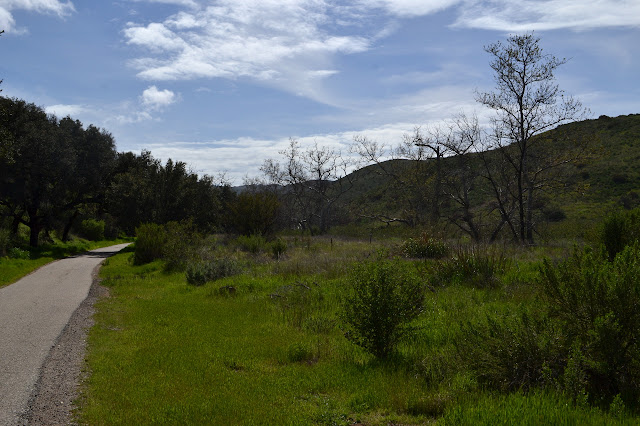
12 270
272 352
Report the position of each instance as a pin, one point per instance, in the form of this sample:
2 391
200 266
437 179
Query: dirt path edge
58 386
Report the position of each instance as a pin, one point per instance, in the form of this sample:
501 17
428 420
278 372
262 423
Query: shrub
199 273
181 245
597 303
252 243
620 230
278 247
5 241
475 266
511 352
424 247
92 229
383 298
150 242
254 213
17 253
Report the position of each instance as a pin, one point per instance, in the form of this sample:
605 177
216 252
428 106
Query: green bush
252 243
620 230
92 229
383 298
181 245
5 241
597 303
424 247
475 266
17 253
278 247
511 352
150 242
201 272
254 213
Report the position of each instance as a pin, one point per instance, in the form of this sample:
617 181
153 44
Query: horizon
223 85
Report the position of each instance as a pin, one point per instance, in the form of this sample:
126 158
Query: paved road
33 313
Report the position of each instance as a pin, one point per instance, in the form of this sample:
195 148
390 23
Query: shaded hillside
606 177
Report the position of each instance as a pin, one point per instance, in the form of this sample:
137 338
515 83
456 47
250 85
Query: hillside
606 177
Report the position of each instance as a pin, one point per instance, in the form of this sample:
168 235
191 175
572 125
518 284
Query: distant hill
605 179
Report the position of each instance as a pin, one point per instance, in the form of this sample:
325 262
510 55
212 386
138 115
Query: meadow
255 332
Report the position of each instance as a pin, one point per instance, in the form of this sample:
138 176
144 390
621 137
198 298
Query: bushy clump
5 241
383 298
475 266
424 247
511 352
254 213
278 247
150 242
253 243
620 230
92 229
181 245
199 273
17 253
597 303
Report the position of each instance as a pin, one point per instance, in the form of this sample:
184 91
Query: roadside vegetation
333 330
463 275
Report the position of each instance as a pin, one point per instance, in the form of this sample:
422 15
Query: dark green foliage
181 245
424 247
5 241
383 298
254 213
150 242
202 272
597 303
278 247
511 352
475 266
252 243
92 229
620 230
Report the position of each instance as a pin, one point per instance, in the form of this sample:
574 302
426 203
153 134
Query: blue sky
224 84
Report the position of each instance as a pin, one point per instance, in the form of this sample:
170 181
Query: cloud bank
54 7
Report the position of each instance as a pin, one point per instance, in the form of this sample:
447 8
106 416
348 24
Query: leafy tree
527 102
254 213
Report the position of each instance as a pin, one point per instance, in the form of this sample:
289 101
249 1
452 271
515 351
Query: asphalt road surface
33 313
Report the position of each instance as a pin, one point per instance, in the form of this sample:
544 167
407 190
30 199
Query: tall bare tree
527 102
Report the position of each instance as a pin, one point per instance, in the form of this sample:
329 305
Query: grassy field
267 345
25 261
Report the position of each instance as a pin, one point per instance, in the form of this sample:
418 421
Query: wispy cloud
527 15
61 110
55 7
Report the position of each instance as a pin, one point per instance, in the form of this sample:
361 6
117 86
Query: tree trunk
67 227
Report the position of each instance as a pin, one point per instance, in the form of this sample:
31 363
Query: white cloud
408 8
527 15
289 44
62 110
55 7
155 99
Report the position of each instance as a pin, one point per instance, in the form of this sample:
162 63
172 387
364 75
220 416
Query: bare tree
313 179
527 102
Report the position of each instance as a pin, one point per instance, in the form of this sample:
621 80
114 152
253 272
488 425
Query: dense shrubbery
620 230
424 247
92 229
383 298
150 242
582 340
475 266
201 272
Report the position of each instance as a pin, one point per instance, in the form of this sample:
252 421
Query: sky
224 84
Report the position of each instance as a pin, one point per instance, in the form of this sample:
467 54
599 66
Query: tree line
486 182
54 172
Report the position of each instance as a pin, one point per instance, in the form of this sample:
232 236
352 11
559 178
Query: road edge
58 387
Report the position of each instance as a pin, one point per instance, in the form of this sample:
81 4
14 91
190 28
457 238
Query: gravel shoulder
58 386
